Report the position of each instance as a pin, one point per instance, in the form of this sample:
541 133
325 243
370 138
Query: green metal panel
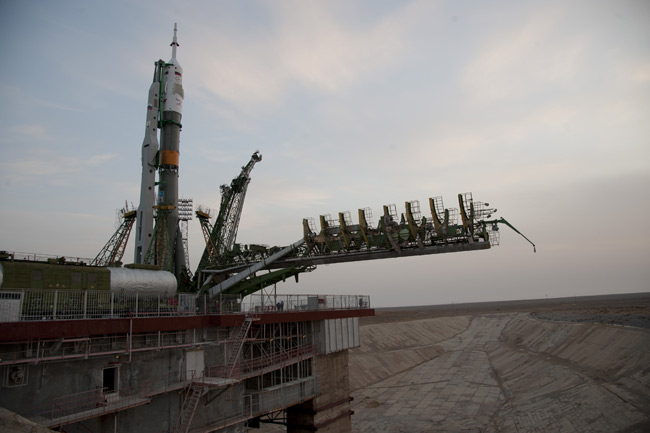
40 275
76 281
37 279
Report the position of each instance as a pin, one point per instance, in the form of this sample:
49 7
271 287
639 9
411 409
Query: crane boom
224 231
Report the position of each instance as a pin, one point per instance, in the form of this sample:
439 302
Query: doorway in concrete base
194 364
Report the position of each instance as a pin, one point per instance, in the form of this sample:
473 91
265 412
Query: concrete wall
506 373
329 412
146 371
48 380
336 334
389 349
152 373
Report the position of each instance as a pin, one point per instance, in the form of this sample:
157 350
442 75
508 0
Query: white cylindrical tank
142 280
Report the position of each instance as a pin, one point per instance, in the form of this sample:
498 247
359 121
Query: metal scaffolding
185 210
113 251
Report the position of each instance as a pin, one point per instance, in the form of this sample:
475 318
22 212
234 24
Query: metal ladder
190 404
239 340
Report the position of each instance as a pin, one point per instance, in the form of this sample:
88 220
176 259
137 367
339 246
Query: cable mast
224 231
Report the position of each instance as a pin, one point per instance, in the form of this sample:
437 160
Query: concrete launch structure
162 244
102 348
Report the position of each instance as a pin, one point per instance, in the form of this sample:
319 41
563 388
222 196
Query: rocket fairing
164 112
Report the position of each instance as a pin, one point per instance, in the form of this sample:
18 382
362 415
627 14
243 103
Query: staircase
189 408
195 390
239 339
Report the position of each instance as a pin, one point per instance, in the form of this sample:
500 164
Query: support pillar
329 411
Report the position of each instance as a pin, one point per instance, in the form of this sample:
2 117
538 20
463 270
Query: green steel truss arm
224 232
340 240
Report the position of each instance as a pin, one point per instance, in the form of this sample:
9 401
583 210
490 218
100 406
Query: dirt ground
631 309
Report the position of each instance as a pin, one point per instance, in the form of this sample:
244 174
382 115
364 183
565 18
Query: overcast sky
541 108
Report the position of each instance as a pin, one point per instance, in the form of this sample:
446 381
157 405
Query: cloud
23 100
57 169
44 103
555 143
31 131
641 74
290 195
523 60
320 51
307 45
213 154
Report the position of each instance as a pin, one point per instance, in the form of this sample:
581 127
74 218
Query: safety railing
259 402
261 364
116 345
72 408
28 304
280 396
265 303
38 257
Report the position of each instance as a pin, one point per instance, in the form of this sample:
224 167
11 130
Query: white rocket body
144 221
174 93
168 106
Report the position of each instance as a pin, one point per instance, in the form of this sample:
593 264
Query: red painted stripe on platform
310 316
54 329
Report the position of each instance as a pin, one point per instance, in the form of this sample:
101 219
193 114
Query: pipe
251 270
503 221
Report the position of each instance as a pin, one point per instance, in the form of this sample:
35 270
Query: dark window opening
109 379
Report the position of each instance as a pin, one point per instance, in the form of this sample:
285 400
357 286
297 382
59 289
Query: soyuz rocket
164 112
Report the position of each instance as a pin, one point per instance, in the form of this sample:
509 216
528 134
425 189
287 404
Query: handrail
254 365
35 305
